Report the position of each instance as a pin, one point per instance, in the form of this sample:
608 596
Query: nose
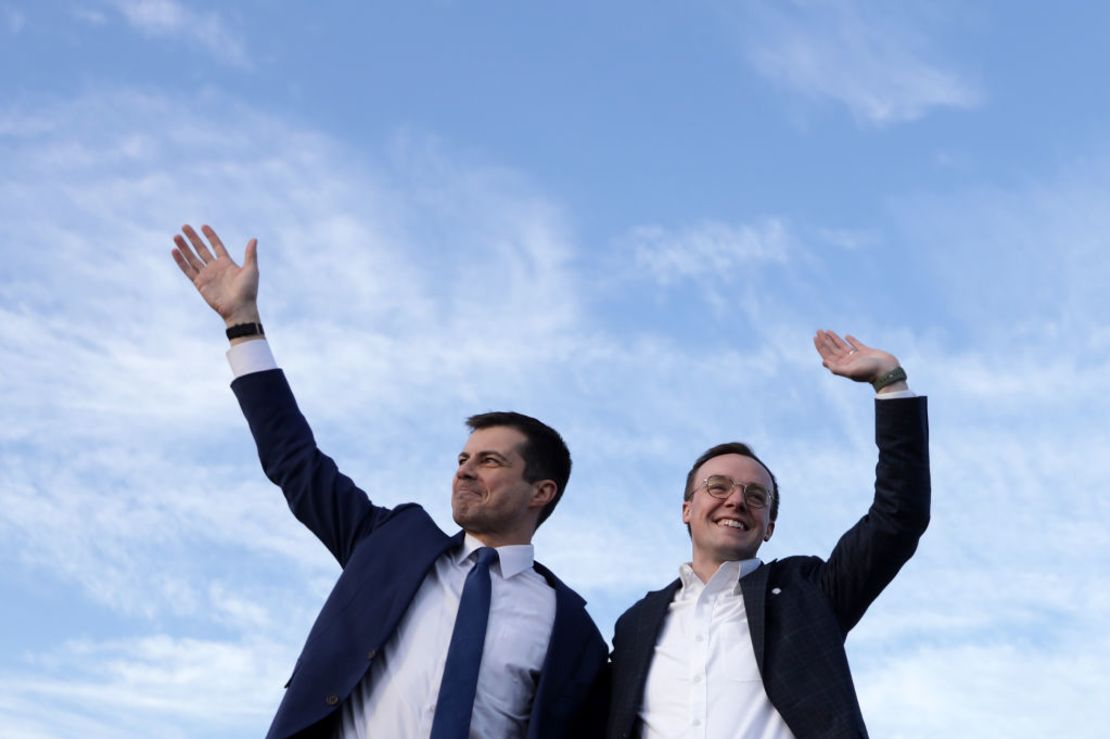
465 470
736 498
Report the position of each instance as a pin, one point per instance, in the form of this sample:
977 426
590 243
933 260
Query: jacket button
373 652
331 700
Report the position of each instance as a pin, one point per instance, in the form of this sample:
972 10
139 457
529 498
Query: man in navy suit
374 663
735 648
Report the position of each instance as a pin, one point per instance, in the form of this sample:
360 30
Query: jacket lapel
567 634
647 630
754 588
634 658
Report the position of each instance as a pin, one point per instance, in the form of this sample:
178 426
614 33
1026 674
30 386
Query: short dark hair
732 447
546 456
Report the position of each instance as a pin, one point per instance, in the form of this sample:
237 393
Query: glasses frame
704 485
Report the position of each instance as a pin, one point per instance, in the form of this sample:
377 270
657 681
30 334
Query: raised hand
849 357
230 290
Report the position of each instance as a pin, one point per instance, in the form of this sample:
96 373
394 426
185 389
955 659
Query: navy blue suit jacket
385 554
800 609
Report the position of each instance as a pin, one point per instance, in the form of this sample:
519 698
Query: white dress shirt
704 682
397 697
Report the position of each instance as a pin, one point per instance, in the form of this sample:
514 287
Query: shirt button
699 637
696 722
331 700
697 678
372 653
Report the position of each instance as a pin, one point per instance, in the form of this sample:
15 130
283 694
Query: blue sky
624 218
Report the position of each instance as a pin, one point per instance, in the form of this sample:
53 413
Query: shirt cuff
250 356
894 395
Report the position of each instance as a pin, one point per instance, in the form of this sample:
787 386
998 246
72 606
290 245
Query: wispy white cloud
860 55
121 479
993 689
1015 345
173 19
850 239
404 292
707 249
1033 250
164 686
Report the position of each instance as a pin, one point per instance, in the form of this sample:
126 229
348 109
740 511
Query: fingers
829 344
183 263
198 244
185 258
856 344
250 257
838 344
193 255
216 243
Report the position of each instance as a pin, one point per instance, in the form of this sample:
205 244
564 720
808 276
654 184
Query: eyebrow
486 452
756 483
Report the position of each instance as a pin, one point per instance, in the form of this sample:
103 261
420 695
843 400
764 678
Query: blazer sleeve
871 553
320 496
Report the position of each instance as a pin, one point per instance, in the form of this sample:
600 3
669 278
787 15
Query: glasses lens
756 496
718 486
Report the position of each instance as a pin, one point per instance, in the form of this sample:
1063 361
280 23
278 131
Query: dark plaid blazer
800 609
385 554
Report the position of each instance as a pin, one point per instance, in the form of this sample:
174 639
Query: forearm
320 496
902 479
870 554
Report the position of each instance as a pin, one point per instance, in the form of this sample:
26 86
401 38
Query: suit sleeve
320 496
871 553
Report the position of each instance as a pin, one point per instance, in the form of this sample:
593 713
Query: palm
225 285
849 357
231 290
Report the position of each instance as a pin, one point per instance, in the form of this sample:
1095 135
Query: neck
704 567
500 539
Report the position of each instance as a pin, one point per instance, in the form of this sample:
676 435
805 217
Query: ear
686 511
543 492
770 530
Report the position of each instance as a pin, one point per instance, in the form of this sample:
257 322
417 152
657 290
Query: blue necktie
460 674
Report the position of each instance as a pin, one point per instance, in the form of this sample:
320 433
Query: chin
743 553
461 515
471 520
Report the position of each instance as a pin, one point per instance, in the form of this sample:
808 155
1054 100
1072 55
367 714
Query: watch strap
240 330
888 378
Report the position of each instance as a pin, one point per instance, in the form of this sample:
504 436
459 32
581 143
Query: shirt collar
511 560
726 577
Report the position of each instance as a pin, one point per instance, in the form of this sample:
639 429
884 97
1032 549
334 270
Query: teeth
732 524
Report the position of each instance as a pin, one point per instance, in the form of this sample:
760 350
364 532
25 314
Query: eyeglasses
720 487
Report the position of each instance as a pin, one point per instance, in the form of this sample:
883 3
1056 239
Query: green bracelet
888 378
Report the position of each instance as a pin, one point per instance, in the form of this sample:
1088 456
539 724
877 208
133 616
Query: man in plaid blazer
736 648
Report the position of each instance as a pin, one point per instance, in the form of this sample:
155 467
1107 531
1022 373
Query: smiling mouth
731 524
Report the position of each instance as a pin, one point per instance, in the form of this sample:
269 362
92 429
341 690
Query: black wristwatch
240 330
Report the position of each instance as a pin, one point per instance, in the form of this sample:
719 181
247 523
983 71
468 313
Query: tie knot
486 556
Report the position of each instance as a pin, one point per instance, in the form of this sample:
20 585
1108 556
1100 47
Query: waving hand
849 357
229 289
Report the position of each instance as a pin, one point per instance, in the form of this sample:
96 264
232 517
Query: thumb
250 258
